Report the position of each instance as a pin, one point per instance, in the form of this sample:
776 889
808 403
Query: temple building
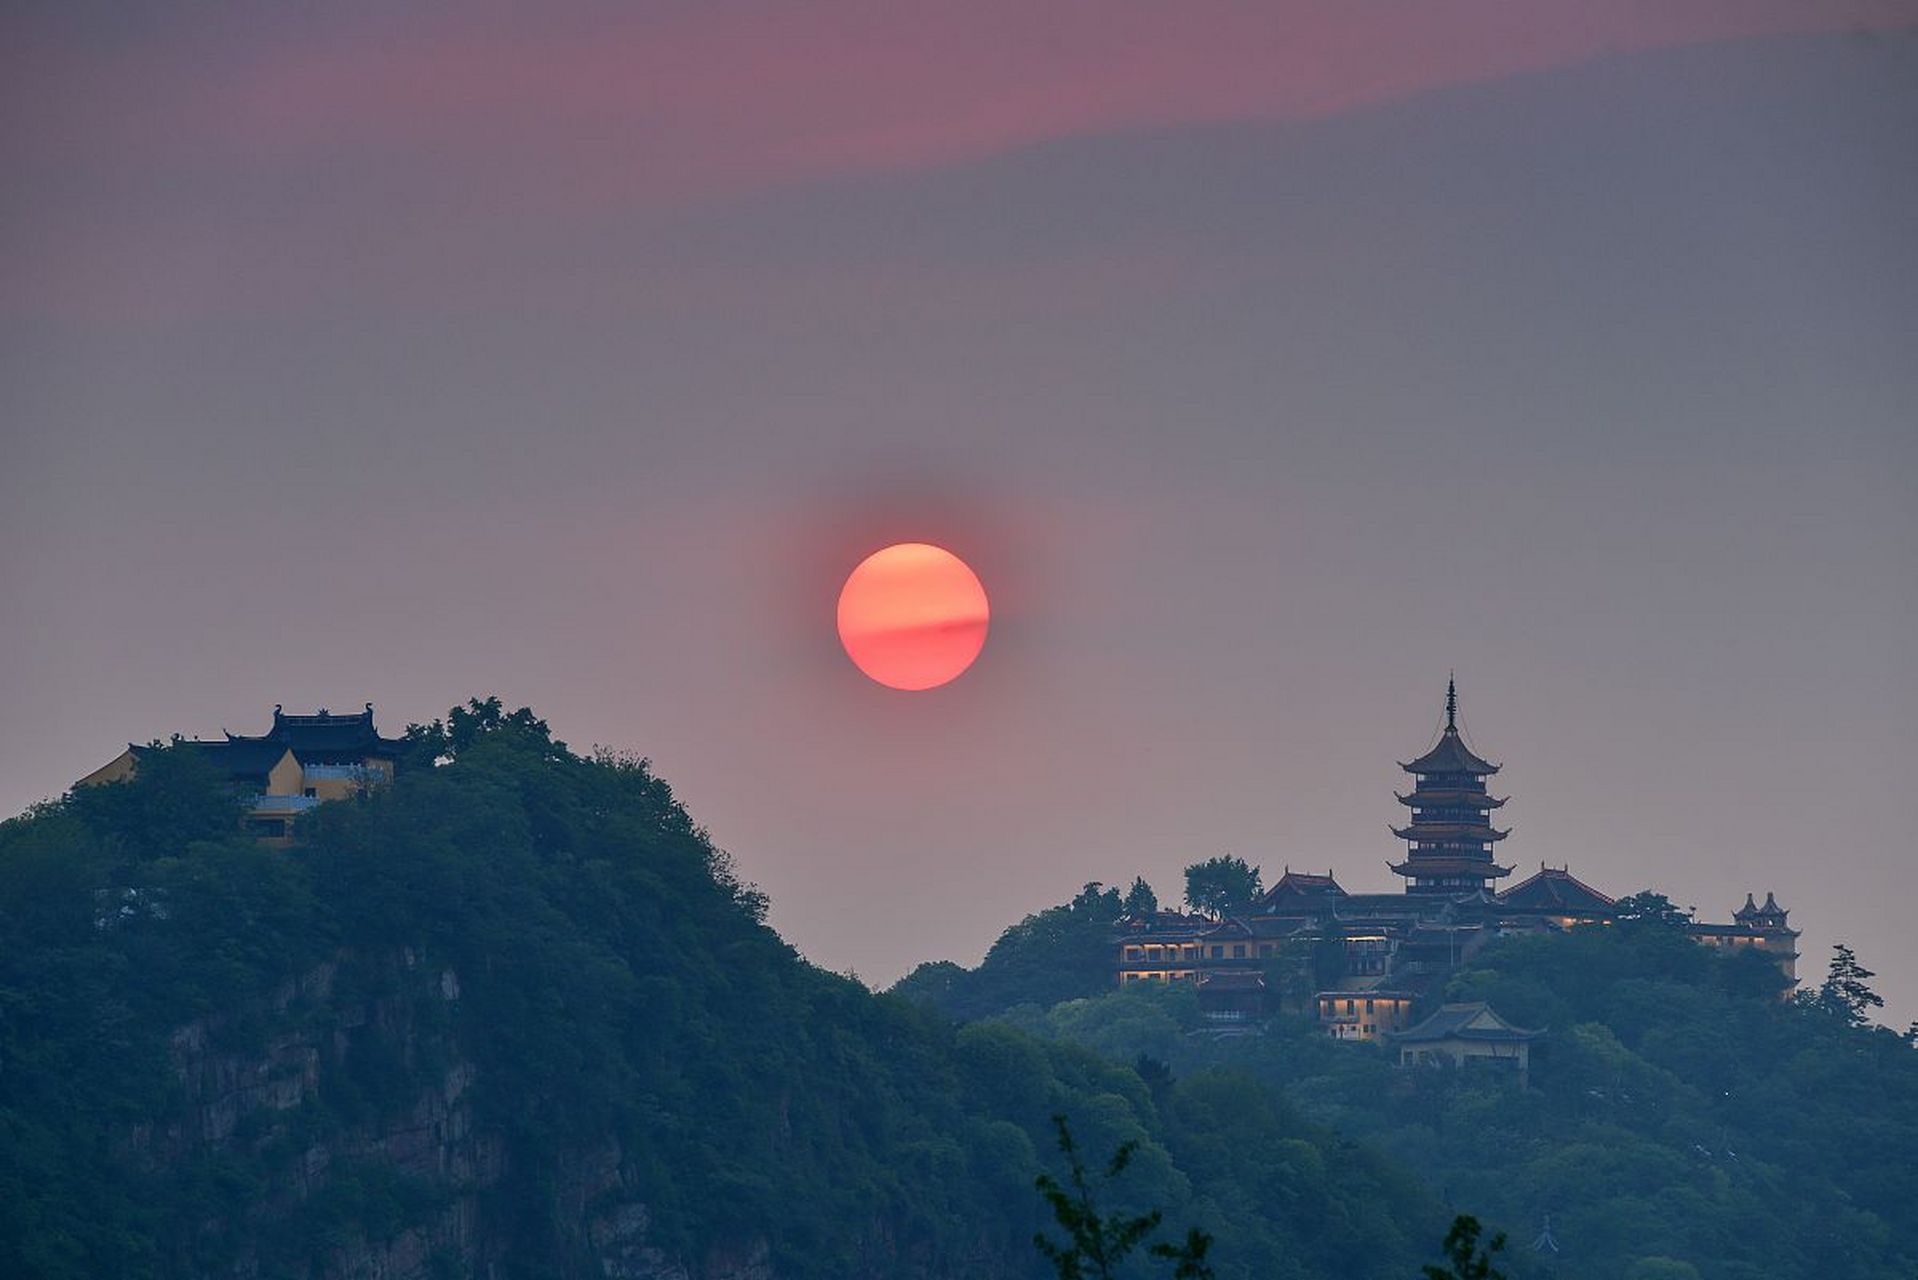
1365 963
1451 835
301 762
1560 897
1762 928
1467 1036
1368 1014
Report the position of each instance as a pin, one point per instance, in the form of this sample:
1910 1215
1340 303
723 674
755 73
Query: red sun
913 616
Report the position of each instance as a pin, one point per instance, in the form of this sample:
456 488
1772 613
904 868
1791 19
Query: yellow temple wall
118 769
285 778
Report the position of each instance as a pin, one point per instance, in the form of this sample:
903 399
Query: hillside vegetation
516 1014
1682 1120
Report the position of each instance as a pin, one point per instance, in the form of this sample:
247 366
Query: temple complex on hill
302 761
1369 964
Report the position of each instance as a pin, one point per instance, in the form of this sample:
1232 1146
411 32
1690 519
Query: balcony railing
283 804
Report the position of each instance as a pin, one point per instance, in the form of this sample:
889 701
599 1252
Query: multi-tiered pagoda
1451 833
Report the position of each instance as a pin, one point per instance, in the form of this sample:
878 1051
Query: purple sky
1266 362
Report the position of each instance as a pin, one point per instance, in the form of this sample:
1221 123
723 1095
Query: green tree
1139 899
1464 1259
1061 953
174 799
480 720
1646 909
1328 960
1844 992
1752 974
1222 885
1096 1242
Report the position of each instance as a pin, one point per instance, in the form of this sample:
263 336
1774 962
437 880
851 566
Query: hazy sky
1266 361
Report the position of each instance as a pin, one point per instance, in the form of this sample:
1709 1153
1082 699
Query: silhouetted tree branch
1096 1243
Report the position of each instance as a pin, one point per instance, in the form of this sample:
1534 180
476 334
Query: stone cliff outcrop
334 1083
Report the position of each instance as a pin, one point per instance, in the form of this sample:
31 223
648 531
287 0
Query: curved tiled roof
1451 755
1449 866
322 734
1454 832
1447 797
248 758
1555 888
1475 1021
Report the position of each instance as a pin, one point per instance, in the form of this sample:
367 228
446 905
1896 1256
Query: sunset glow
913 616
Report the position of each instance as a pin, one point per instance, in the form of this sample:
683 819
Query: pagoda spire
1451 702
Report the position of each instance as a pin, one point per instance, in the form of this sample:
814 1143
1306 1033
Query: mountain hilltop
514 1015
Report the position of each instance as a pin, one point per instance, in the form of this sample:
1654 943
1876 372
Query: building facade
301 762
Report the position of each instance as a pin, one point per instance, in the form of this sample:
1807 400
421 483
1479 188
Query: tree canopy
1845 993
1682 1118
1139 899
1219 886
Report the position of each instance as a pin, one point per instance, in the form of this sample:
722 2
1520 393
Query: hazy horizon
406 358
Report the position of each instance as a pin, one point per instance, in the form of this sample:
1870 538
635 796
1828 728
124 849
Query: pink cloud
432 127
714 96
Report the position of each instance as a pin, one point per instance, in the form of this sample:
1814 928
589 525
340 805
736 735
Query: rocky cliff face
351 1076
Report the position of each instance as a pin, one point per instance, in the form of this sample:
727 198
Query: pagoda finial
1451 702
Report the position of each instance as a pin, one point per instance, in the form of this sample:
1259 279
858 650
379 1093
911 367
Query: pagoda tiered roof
1451 850
1451 755
1448 797
1450 832
1446 865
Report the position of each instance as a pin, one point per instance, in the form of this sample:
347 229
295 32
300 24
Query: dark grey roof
1432 796
321 735
1555 888
1451 755
248 759
1453 1022
1232 980
1741 929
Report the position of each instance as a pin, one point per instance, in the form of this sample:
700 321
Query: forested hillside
515 1016
1682 1120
